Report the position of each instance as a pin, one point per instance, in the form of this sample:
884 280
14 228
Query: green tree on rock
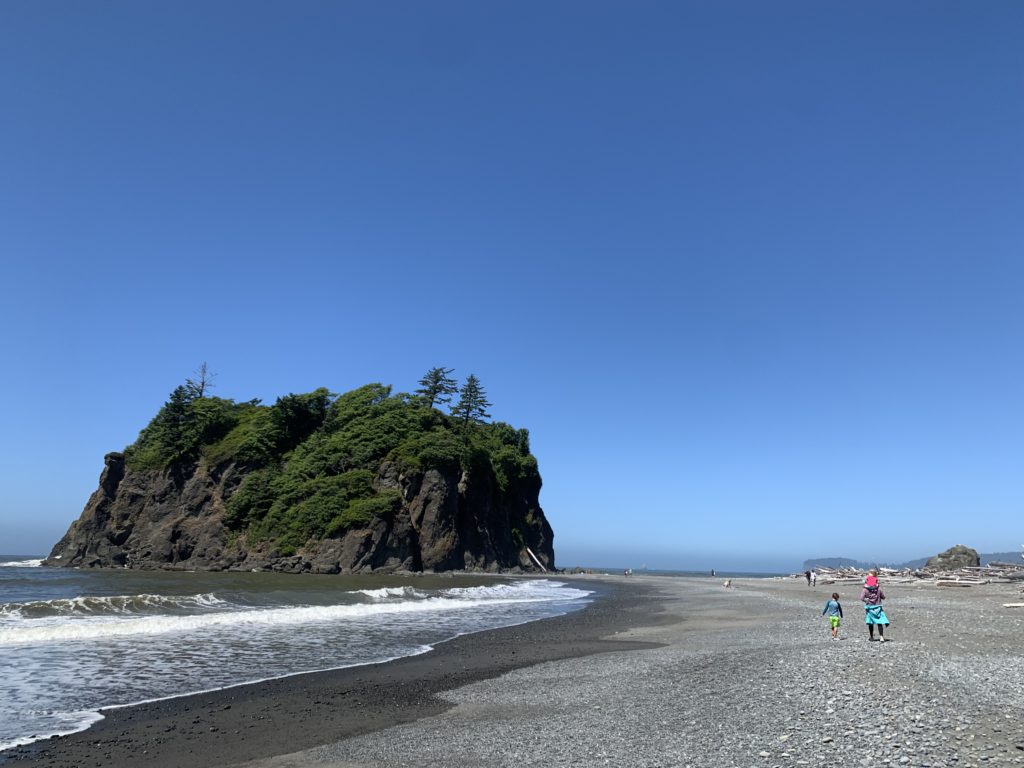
437 386
174 425
296 417
472 405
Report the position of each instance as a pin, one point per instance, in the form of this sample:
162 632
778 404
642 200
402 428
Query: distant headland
369 480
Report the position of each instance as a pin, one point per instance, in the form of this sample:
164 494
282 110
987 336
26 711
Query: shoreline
657 671
84 714
272 716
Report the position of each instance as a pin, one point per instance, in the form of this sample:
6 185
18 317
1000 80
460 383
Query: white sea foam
386 593
521 591
83 627
63 724
539 589
22 563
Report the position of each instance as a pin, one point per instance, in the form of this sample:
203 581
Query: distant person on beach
834 611
874 614
814 578
807 575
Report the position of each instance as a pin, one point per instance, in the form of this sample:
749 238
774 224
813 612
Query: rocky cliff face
954 558
174 519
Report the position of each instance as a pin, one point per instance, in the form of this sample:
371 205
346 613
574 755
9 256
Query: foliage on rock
310 460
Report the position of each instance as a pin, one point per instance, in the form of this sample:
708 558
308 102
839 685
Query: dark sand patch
304 711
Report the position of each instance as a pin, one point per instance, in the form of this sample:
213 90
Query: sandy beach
659 671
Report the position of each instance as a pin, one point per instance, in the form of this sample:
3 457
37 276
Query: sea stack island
369 480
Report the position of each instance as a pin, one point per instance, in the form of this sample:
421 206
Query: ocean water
75 641
690 574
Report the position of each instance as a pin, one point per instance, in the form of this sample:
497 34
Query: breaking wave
113 605
93 618
392 593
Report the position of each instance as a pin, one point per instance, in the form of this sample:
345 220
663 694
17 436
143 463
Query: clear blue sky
750 273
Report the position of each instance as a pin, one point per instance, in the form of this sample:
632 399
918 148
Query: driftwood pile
993 573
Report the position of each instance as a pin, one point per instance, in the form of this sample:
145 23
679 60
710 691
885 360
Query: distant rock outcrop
953 559
913 565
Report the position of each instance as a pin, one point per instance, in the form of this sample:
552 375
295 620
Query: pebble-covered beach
690 674
747 677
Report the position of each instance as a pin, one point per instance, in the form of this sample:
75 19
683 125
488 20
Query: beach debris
534 558
1013 605
963 576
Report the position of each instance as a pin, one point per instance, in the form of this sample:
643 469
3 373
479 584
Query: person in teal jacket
874 614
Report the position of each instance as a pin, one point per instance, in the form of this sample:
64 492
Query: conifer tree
472 405
175 424
437 387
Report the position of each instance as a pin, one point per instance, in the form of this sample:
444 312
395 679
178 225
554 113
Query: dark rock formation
953 559
174 519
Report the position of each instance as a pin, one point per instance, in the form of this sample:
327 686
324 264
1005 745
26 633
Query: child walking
834 610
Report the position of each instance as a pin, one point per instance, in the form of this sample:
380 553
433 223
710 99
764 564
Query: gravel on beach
746 677
692 674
